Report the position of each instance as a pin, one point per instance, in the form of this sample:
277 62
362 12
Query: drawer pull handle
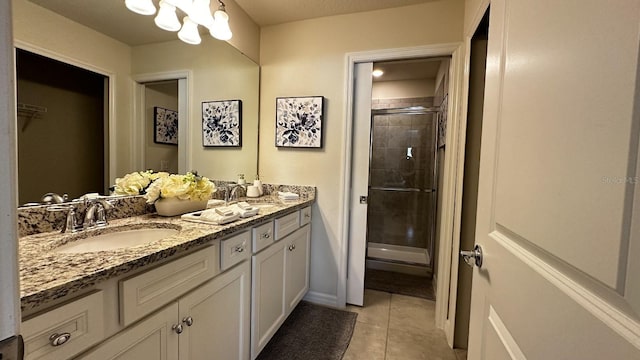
188 320
59 339
177 328
239 248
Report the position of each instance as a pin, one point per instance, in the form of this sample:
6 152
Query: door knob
473 257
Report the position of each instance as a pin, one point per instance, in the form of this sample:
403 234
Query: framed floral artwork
299 121
222 123
165 126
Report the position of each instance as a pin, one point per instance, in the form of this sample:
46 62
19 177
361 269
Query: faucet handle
71 223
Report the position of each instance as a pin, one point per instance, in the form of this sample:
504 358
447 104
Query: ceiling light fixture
198 13
377 73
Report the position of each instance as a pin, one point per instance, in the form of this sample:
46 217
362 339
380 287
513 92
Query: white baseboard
321 299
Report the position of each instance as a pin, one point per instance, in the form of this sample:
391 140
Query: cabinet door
150 339
297 266
268 305
216 317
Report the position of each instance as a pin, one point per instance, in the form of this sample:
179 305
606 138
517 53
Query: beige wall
165 95
403 89
52 35
246 33
308 58
219 72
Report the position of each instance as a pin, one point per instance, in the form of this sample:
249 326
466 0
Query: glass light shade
184 5
201 13
142 7
189 32
167 18
220 27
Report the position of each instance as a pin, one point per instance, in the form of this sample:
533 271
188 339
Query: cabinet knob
266 235
188 320
177 328
59 339
292 247
307 216
239 248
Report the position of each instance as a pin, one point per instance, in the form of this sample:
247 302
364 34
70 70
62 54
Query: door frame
446 311
451 165
110 120
184 136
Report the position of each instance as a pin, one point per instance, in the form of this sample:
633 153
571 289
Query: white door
359 182
556 216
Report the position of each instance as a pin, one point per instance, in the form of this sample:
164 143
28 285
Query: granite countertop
46 275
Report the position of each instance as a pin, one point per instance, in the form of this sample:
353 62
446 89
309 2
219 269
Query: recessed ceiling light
377 73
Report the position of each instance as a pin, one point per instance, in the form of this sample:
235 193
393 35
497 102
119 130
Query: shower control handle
473 257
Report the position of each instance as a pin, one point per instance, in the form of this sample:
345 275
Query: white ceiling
271 12
408 69
113 19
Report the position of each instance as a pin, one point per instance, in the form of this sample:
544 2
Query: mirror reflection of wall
159 155
61 128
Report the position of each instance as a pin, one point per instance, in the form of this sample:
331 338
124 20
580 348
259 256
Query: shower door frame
414 110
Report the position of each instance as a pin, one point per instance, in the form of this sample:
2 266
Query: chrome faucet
95 214
231 193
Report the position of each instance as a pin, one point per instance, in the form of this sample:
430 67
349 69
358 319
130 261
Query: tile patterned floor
398 327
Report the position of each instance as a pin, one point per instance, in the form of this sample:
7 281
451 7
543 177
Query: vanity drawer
142 294
75 326
305 216
287 224
262 236
235 249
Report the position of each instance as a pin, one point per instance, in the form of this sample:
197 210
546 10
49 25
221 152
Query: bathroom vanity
206 292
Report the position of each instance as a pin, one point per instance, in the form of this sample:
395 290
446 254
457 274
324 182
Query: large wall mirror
168 75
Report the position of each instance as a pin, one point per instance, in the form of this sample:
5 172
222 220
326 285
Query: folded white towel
212 216
244 205
287 195
224 211
245 213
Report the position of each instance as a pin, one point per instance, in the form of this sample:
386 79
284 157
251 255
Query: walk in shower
401 215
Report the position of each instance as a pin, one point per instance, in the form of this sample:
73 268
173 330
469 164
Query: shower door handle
364 199
473 257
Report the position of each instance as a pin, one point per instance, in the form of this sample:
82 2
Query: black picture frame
299 122
222 123
165 126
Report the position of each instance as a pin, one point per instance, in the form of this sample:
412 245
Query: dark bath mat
398 283
312 332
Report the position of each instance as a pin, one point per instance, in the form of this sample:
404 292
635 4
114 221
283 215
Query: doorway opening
161 126
62 114
407 111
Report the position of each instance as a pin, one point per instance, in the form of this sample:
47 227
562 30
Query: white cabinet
268 304
280 278
296 266
211 322
219 316
152 338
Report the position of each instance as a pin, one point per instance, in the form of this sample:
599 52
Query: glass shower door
402 193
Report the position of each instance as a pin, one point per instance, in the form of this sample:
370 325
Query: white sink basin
116 240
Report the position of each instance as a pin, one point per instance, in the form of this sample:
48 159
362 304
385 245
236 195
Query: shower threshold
406 254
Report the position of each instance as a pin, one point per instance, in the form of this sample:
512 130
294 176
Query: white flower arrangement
155 186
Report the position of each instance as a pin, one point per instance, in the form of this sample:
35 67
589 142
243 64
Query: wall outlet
164 165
